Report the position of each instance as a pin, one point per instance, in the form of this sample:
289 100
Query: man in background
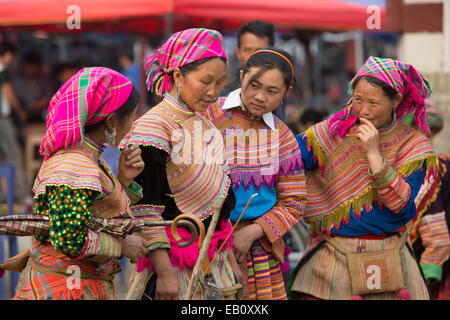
10 151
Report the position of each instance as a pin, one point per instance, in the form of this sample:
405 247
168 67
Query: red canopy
145 16
306 14
52 15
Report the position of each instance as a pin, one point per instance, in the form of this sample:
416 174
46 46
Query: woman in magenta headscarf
186 171
94 108
364 168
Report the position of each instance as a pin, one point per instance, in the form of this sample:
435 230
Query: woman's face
265 93
123 125
202 86
371 103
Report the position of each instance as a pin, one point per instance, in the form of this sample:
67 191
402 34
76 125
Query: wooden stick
202 255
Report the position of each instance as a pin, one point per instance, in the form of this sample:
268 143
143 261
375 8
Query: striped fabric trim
101 247
264 276
255 153
154 237
197 171
74 169
435 237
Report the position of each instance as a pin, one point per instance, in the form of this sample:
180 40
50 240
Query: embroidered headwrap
85 99
179 50
403 78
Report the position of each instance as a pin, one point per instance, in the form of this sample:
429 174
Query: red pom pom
356 297
2 272
404 295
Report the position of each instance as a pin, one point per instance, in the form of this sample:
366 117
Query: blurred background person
429 231
33 87
129 68
10 151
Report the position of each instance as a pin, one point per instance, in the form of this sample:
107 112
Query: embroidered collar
184 107
92 146
234 100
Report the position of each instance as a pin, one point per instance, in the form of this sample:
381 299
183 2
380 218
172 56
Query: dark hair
6 47
259 28
390 92
33 58
312 115
128 53
194 65
268 61
125 110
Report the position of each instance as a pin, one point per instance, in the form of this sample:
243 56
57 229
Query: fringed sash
342 182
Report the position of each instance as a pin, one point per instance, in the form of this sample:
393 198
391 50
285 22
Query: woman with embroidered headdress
364 168
95 107
429 230
185 172
264 159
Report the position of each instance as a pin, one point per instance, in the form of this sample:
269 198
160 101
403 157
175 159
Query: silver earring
178 92
110 137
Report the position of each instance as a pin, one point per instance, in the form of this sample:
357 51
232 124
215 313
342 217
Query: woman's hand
369 137
166 279
130 164
241 277
133 247
243 239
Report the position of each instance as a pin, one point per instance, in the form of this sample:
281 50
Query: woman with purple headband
364 168
185 172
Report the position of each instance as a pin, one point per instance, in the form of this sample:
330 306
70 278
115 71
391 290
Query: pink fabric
187 257
403 78
85 99
179 50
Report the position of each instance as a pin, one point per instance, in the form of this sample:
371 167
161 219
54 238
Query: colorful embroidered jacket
72 186
186 171
344 198
266 161
429 230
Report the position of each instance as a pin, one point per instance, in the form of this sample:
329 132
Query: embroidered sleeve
433 231
395 191
69 213
291 197
151 206
309 162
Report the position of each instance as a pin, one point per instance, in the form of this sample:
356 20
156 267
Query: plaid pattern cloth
85 99
29 225
181 49
403 78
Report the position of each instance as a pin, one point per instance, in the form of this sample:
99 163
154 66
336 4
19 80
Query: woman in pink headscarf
364 168
94 108
186 171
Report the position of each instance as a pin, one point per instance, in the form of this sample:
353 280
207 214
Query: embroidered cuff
432 271
155 237
133 191
384 177
101 247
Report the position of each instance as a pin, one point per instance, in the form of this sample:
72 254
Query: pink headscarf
179 50
85 99
403 78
